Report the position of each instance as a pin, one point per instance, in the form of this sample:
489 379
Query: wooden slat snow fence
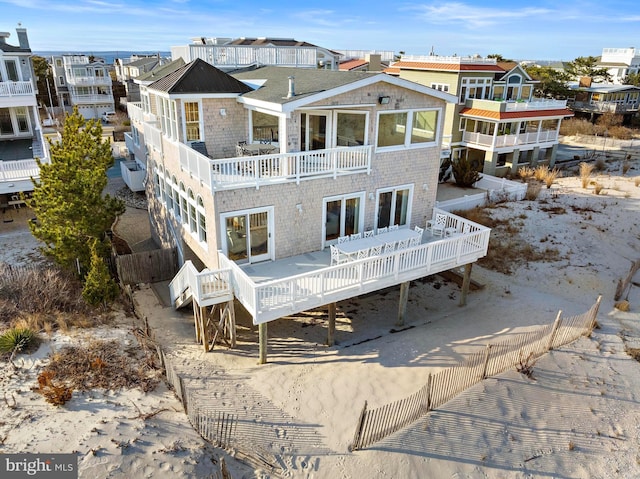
376 424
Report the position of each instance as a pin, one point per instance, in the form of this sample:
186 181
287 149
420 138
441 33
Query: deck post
232 323
402 307
466 281
262 333
331 328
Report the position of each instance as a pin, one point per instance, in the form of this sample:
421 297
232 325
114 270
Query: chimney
375 62
3 37
584 82
23 40
292 92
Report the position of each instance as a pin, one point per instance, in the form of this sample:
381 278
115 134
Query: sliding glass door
248 235
343 216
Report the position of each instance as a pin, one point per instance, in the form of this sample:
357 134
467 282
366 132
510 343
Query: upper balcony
516 106
91 99
88 81
18 93
18 164
448 59
239 56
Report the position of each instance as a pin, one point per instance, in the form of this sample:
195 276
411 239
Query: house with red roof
496 123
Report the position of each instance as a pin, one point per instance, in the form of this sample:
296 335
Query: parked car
109 116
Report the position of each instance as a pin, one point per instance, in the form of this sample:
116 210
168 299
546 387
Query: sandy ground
578 418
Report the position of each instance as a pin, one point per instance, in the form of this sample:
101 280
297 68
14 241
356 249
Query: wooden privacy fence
376 424
147 266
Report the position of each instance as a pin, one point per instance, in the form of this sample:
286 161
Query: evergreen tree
553 83
99 286
587 67
68 203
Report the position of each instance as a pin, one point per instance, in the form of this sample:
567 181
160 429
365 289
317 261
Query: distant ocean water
109 56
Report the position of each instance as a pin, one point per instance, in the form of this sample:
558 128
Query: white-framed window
440 86
479 88
351 128
407 128
264 127
343 215
168 117
146 104
202 220
11 67
192 121
463 124
394 206
184 212
176 197
191 204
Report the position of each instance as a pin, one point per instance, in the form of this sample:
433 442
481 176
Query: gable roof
199 77
161 71
313 85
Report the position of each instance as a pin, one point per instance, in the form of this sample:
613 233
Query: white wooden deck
279 288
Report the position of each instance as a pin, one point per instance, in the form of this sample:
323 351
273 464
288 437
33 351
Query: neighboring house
620 62
595 99
127 70
83 83
21 138
134 171
233 54
253 176
371 62
496 122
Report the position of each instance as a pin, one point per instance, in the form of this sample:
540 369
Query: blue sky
553 30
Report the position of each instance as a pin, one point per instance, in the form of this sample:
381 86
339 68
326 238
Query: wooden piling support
262 333
331 327
466 281
402 306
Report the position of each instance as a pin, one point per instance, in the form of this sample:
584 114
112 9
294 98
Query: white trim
407 137
361 195
394 190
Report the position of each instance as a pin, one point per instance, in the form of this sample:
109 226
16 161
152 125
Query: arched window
183 204
193 223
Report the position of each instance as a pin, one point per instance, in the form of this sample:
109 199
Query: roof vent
292 92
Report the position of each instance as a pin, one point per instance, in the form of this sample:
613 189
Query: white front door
342 215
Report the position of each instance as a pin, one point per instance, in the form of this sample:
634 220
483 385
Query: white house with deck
290 189
21 138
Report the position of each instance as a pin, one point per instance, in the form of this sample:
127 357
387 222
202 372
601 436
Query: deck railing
206 287
16 88
260 170
270 300
243 55
18 170
544 136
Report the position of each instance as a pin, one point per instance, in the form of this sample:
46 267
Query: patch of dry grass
103 365
507 249
41 298
585 170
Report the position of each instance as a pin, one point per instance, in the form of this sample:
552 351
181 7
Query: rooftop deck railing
544 136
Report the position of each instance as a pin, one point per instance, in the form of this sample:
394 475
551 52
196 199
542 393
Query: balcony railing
501 141
511 106
16 88
243 55
445 59
133 175
270 300
256 171
604 106
88 81
76 99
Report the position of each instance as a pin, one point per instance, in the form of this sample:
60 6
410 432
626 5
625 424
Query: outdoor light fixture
223 112
299 207
371 196
384 100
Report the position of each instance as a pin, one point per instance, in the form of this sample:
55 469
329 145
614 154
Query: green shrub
465 173
99 286
16 339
